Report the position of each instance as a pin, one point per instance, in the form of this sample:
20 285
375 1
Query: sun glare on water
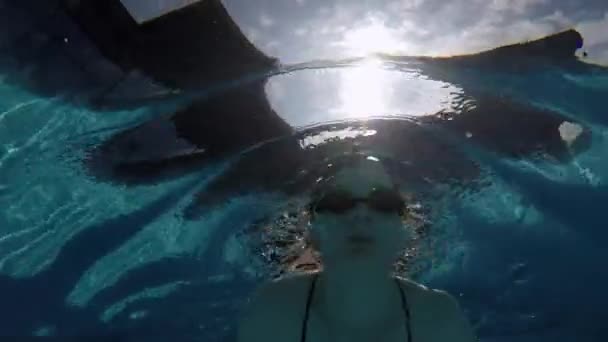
365 90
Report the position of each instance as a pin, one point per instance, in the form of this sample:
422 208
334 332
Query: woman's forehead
362 178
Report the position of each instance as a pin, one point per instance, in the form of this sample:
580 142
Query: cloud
486 35
517 6
595 32
316 29
302 31
266 21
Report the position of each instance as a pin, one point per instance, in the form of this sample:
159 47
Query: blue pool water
525 254
517 233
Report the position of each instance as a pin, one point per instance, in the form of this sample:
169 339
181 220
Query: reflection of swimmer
354 297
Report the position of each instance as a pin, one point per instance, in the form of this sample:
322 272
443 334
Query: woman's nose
360 213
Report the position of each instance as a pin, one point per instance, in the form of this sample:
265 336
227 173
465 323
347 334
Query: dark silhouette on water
196 46
90 51
200 47
499 124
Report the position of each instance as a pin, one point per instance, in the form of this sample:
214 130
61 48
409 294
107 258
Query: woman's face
361 234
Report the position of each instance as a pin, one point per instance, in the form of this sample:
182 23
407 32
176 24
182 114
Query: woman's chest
318 331
422 329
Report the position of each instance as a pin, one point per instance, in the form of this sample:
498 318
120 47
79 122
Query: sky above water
303 30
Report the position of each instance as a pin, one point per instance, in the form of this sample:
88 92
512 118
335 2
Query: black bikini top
404 305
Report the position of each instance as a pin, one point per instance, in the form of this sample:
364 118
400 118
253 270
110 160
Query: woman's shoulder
437 308
281 292
294 282
427 300
295 278
291 283
420 291
274 310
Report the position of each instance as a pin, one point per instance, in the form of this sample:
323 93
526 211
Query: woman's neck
357 296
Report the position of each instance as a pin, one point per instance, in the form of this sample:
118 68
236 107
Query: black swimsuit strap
310 292
406 309
404 305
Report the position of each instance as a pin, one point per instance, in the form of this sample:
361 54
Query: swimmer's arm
452 324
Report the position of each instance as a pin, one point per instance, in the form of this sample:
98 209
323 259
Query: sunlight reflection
370 89
365 90
324 137
370 39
